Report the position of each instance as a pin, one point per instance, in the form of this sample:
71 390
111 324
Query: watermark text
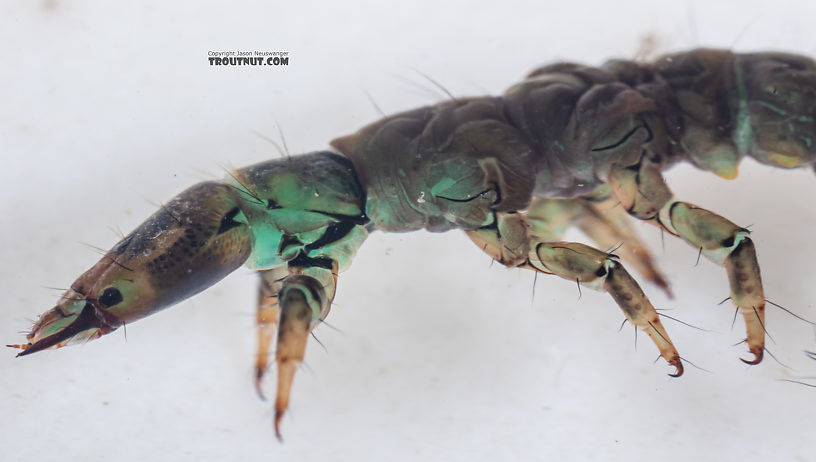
248 58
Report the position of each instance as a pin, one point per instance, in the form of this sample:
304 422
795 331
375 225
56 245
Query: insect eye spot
110 296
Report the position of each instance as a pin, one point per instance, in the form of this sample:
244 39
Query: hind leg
643 193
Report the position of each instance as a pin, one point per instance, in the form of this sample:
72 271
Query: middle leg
510 241
600 217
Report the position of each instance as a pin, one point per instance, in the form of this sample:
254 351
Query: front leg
296 298
304 300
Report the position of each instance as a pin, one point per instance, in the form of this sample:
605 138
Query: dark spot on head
110 296
728 242
600 272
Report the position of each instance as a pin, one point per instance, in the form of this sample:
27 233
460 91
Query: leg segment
507 240
729 245
268 316
602 271
297 297
294 299
607 223
602 219
304 302
643 192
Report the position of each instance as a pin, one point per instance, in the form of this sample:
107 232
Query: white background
108 110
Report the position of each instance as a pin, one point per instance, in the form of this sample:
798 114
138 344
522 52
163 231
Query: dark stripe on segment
334 233
498 193
494 225
671 213
286 241
739 248
728 242
228 222
315 295
626 137
478 195
613 268
304 261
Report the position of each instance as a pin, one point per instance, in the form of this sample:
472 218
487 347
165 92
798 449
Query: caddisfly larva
513 172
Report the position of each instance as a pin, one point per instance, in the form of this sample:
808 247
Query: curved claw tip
278 416
758 355
678 367
258 389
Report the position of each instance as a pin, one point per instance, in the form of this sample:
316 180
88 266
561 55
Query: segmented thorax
456 163
298 207
582 120
441 167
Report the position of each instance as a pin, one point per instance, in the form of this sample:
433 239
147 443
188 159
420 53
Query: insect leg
304 300
305 291
643 192
510 242
268 315
604 221
607 223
